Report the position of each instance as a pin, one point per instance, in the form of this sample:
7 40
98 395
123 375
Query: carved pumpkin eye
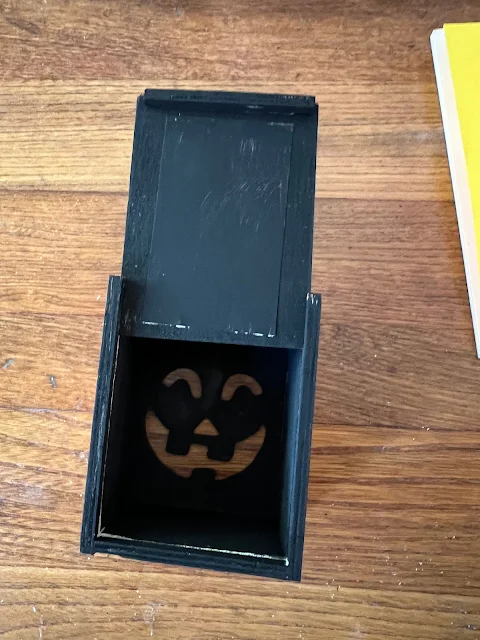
191 377
240 380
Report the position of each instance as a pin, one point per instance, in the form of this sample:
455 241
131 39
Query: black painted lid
219 230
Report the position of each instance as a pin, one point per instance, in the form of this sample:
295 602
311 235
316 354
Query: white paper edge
459 174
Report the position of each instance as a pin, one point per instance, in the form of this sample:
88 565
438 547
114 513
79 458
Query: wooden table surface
392 544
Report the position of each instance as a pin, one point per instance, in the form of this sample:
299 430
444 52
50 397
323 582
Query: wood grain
83 136
392 545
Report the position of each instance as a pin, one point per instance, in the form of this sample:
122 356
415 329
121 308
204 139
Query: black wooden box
202 425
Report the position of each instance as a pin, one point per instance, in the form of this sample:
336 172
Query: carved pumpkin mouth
197 457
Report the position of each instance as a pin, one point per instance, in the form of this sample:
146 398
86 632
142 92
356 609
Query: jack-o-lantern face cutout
216 425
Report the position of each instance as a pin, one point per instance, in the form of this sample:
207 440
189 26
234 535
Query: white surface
459 174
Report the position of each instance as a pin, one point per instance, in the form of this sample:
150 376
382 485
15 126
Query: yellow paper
463 43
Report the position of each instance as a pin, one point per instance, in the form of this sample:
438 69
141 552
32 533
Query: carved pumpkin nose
206 428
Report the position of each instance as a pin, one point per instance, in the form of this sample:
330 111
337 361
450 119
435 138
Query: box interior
199 449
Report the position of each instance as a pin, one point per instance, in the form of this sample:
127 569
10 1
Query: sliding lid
219 230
